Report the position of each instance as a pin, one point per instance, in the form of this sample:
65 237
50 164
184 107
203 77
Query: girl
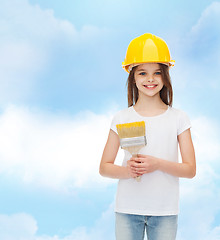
152 203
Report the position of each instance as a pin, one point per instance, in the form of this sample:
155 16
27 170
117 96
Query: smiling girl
150 205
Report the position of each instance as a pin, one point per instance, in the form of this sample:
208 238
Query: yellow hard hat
147 48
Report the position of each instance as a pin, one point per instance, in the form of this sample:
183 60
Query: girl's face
148 79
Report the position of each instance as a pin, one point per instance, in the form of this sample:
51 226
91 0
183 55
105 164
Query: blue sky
62 81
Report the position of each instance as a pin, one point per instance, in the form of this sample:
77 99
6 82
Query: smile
152 86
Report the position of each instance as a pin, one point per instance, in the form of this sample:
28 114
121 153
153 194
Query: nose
150 78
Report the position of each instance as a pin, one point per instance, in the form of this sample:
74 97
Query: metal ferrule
134 141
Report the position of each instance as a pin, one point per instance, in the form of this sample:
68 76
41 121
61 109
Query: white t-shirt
157 193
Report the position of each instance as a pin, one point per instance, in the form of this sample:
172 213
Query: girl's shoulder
124 115
182 120
178 112
181 117
120 117
123 112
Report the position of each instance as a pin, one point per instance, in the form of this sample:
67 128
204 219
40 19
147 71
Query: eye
158 73
142 73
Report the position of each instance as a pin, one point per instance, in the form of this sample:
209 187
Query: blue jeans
132 227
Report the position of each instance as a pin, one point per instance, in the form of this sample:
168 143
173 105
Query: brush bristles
129 130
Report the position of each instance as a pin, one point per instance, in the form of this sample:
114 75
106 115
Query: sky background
61 82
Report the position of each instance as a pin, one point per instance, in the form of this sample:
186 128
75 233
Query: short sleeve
114 123
184 122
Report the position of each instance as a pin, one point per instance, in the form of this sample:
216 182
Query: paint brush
132 137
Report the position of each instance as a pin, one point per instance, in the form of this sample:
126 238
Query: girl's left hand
144 164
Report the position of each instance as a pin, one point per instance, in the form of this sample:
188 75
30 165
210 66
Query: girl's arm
186 169
107 166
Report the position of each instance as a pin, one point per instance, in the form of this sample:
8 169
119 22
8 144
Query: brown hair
166 93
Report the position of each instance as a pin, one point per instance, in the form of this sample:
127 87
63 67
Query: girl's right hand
131 172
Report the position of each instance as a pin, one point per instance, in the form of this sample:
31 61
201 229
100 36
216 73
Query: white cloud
25 45
200 196
54 151
205 35
23 21
24 227
206 139
49 151
197 57
208 22
17 227
103 228
30 40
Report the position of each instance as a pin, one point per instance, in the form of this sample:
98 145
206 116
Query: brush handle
133 150
138 179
